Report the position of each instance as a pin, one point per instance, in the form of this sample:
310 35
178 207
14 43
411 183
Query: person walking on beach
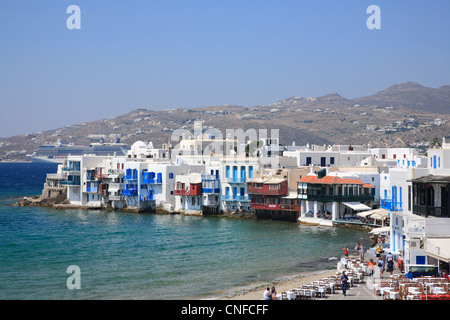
344 280
345 249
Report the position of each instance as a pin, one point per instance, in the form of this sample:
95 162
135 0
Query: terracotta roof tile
330 180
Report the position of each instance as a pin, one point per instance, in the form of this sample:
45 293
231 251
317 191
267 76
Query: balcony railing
70 183
71 169
211 190
425 211
210 177
130 192
326 198
182 192
102 175
115 198
261 190
236 198
390 205
236 180
266 206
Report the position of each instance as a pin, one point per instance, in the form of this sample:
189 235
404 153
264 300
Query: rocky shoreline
61 202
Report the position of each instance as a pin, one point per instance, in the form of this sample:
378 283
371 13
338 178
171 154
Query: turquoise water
146 256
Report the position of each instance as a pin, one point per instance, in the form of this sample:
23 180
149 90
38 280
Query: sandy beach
282 285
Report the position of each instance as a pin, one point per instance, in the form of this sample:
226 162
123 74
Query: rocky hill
406 114
412 96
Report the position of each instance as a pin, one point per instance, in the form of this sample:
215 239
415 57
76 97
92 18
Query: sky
163 54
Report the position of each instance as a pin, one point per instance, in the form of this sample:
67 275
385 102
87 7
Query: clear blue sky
191 53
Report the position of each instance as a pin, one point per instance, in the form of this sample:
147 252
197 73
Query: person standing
344 281
273 294
390 266
266 295
361 252
371 267
345 249
380 264
357 248
379 250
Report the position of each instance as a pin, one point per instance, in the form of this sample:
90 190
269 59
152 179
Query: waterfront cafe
378 215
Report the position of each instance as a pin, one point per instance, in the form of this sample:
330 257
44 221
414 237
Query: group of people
270 294
359 248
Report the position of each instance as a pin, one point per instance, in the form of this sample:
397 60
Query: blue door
420 259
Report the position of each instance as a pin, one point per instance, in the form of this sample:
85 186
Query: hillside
412 96
402 115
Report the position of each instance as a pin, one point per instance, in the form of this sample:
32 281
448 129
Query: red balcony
271 189
266 206
194 190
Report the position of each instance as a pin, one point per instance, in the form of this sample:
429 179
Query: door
323 161
420 259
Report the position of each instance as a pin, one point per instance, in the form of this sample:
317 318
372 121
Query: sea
147 256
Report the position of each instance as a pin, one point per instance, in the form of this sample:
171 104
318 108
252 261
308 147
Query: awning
381 215
438 248
368 213
381 230
358 206
291 195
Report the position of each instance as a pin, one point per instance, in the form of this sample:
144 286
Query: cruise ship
58 152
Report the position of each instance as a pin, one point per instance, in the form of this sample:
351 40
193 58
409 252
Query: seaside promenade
363 290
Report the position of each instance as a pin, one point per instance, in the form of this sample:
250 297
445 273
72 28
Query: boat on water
58 152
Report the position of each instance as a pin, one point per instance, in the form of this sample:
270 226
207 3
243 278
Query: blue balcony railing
390 205
235 198
236 180
130 192
211 190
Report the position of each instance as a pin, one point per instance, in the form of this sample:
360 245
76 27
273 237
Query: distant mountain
406 114
413 96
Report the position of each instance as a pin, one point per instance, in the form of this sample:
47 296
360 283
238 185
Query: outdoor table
414 290
394 295
322 290
383 289
290 295
438 290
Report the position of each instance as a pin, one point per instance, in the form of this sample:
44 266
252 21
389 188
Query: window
331 160
171 175
409 198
